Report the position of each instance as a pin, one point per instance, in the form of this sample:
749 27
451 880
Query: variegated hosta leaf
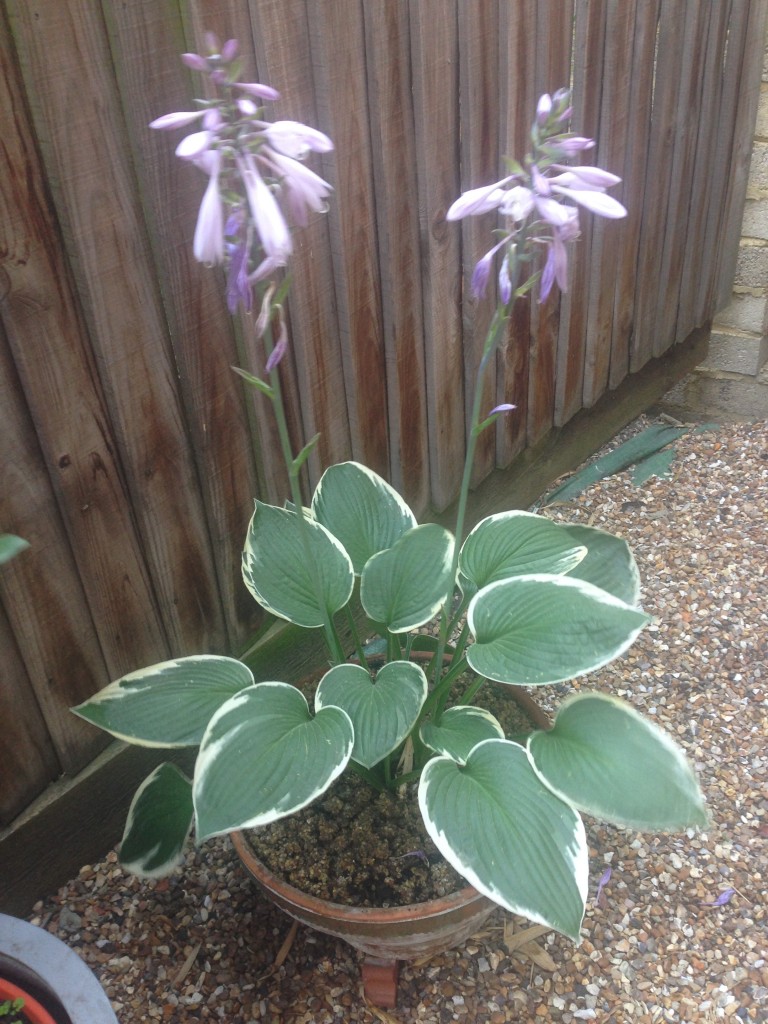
284 578
607 760
461 728
264 756
405 586
360 509
382 712
507 834
608 564
515 544
168 704
543 629
158 824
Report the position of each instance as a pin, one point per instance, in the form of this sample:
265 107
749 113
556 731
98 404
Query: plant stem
331 636
491 341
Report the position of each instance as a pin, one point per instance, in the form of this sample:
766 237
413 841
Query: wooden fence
130 453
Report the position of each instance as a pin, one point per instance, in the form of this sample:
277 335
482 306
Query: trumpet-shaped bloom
208 243
267 219
304 189
296 140
532 201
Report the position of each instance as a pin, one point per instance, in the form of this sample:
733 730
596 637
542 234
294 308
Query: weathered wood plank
152 80
517 35
435 70
62 390
630 191
394 173
337 39
27 759
588 45
479 104
53 658
553 71
284 57
68 66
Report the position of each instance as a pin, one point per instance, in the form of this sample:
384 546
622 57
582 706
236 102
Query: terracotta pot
386 934
31 1010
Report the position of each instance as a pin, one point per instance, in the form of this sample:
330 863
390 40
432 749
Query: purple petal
178 120
267 218
504 407
230 50
280 348
597 202
552 211
481 273
578 177
517 203
478 200
505 285
195 61
264 92
723 898
208 245
571 146
238 287
543 108
291 138
193 145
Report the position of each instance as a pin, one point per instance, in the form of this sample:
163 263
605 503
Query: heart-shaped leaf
609 761
264 756
382 712
608 564
461 728
543 629
303 575
168 704
361 509
507 834
158 824
405 586
515 544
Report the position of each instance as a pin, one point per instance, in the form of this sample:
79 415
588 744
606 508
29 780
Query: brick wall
739 342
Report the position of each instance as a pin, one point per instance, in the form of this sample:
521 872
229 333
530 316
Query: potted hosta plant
520 601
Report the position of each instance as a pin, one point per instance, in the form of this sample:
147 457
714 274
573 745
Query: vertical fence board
41 590
28 763
153 81
283 51
434 62
394 170
553 71
91 163
638 113
572 354
50 345
517 35
480 165
338 55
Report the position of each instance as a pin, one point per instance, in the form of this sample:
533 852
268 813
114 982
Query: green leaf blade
507 834
382 712
461 728
264 756
609 761
541 629
158 824
516 544
405 586
277 573
361 510
168 704
608 564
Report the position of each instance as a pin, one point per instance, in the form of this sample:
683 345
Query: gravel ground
678 932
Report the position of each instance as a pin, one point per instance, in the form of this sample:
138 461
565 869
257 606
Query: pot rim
34 1011
344 912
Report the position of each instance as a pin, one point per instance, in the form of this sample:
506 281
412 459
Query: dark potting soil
362 848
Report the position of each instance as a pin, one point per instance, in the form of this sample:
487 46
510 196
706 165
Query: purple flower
238 286
532 201
281 347
208 243
296 140
304 189
178 120
267 219
264 92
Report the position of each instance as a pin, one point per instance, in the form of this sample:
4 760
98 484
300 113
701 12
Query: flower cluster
531 199
257 182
